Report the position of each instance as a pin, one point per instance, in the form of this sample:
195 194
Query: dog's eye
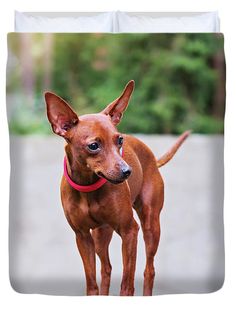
93 146
120 140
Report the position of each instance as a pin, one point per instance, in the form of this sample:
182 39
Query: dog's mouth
115 181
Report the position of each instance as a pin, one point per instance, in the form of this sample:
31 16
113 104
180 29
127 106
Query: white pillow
63 22
117 22
167 22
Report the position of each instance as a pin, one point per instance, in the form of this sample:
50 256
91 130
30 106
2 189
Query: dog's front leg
86 248
129 250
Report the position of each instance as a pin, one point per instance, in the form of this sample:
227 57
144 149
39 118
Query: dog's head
93 139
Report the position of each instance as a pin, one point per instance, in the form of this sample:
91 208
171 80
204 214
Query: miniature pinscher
106 174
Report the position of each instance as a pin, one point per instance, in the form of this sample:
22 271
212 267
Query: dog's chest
90 209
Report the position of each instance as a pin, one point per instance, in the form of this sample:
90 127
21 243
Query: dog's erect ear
60 115
117 107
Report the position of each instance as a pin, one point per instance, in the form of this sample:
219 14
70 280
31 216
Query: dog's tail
167 156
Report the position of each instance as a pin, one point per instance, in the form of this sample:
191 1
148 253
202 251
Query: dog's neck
78 171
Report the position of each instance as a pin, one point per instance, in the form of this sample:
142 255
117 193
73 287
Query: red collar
85 188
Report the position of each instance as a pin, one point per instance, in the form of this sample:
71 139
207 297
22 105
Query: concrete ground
43 253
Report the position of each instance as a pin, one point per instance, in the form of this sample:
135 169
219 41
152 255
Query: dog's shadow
76 287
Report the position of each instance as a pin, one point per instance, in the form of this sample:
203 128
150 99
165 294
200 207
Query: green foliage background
179 83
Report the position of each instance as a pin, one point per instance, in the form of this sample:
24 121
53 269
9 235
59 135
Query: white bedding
116 22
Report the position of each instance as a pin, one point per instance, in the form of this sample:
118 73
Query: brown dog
93 157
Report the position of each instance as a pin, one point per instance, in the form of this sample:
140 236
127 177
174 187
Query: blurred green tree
180 79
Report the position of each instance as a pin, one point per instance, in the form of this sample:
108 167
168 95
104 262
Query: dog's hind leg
151 234
148 208
102 237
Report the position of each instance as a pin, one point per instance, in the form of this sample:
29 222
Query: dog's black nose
126 172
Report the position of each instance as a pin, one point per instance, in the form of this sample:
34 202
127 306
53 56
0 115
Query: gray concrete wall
43 254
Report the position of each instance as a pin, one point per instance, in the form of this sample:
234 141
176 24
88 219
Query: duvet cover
173 83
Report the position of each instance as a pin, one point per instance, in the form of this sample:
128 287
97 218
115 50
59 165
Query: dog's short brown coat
109 208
